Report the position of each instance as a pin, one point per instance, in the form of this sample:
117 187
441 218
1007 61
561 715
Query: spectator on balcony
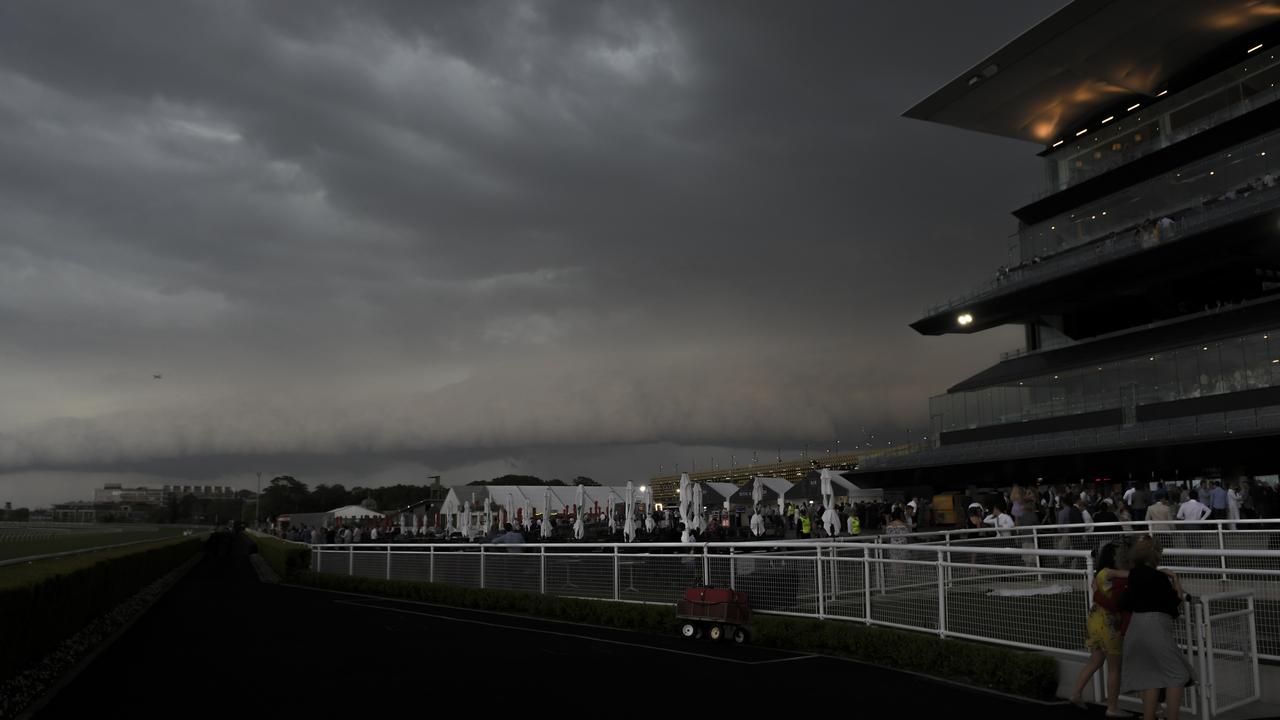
1106 515
1125 517
1139 502
1193 511
1218 501
999 519
1234 500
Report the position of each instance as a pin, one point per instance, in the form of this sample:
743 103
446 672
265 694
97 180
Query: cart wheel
688 630
716 632
739 635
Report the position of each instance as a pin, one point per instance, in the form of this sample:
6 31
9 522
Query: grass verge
46 601
286 558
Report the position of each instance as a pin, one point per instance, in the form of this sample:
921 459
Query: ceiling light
1255 48
1108 119
1056 144
965 319
1134 106
1162 93
1082 132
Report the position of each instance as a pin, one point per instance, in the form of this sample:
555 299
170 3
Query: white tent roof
853 491
779 486
561 495
725 490
355 511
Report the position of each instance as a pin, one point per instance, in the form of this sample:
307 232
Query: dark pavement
221 642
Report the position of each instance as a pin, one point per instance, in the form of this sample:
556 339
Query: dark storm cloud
463 230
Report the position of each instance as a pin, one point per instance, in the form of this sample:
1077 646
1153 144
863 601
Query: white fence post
1222 546
706 565
733 581
388 562
542 569
482 567
942 597
431 567
617 581
351 560
880 564
866 583
818 557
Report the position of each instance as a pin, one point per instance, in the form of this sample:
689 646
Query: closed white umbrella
464 519
757 498
686 502
546 512
649 524
629 525
510 506
830 518
449 511
579 529
611 508
699 521
528 514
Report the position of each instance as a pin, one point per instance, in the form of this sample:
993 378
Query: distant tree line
15 514
287 494
533 480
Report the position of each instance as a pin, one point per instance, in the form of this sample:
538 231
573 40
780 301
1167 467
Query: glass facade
1233 93
1242 363
1215 185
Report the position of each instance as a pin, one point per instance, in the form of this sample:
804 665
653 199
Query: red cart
719 612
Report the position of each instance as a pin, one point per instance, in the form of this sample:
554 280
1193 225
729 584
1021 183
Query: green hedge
1022 673
43 603
286 558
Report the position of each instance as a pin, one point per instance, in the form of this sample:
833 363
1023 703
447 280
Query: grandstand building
1145 276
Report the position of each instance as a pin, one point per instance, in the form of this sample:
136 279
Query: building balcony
1110 392
1198 198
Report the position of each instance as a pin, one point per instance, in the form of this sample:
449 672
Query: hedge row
1007 670
43 603
286 558
1021 673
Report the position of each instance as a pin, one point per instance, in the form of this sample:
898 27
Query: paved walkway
222 643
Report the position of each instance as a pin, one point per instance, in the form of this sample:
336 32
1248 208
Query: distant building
115 493
82 511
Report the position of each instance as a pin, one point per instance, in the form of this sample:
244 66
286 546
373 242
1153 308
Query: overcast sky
366 242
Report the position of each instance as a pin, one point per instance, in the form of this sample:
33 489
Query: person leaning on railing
1152 658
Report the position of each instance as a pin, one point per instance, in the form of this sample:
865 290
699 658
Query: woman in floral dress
1106 626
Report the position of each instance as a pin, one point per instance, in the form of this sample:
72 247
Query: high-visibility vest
804 524
855 527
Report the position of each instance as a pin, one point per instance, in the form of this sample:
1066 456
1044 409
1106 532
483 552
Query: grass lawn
16 546
25 573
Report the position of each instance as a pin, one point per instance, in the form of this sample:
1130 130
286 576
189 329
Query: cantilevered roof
1089 57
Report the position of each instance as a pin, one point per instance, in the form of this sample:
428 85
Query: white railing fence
1034 599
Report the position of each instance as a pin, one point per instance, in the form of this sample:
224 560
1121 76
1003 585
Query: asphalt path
221 642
